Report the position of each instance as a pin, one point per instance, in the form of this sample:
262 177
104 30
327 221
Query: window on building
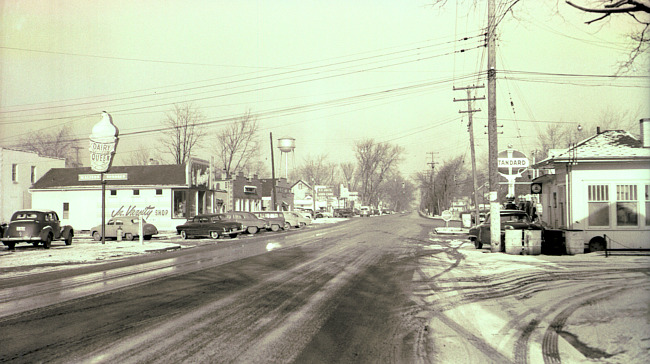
180 203
647 205
113 192
33 174
14 172
66 210
136 192
598 201
158 192
626 205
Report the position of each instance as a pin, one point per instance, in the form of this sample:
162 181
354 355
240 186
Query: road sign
512 162
107 177
446 215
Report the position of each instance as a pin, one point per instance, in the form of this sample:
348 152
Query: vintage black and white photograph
303 181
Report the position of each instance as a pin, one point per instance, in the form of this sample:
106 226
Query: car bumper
21 238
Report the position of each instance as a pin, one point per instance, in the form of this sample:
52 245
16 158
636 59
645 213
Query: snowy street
384 289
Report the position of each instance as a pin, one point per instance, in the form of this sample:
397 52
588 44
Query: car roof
34 210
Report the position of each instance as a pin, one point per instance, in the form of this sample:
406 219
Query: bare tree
237 145
142 157
348 172
558 136
397 192
56 143
375 161
317 170
183 131
639 10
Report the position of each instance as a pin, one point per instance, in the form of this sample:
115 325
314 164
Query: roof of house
153 175
607 146
300 181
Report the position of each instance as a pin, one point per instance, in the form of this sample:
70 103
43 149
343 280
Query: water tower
286 146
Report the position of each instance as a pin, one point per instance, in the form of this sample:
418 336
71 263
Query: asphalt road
374 290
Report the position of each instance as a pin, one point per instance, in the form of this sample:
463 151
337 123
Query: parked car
323 214
275 219
212 225
343 213
306 214
364 211
510 219
36 227
130 227
251 223
292 219
303 218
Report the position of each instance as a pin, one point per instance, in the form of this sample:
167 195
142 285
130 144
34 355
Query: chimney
645 132
597 130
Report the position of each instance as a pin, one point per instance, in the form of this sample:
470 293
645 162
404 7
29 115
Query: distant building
284 197
302 195
600 186
18 172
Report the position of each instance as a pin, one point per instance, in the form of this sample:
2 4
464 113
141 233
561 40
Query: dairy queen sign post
103 143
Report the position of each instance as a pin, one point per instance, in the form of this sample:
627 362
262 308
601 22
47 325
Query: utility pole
273 196
76 148
493 146
432 164
470 129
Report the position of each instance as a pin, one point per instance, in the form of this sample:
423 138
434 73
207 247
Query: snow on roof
608 145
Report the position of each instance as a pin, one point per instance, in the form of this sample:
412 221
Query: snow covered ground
28 260
588 307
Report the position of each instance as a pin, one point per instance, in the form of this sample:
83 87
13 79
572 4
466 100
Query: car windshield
515 218
26 216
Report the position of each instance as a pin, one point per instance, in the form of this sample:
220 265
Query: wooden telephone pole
495 219
432 164
470 129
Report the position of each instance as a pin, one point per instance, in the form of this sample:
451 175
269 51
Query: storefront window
626 205
598 205
180 204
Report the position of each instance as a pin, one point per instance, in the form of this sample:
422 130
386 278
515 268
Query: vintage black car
510 219
36 227
212 225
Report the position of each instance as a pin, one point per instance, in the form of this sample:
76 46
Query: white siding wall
611 174
14 195
86 212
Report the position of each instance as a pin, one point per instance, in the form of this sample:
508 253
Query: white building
18 171
601 186
165 195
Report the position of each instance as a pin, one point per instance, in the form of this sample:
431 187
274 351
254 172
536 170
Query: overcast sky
327 73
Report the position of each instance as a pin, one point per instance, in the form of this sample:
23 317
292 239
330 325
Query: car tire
68 240
214 234
597 244
478 244
47 243
184 234
302 224
128 237
275 227
35 244
252 230
11 246
97 236
287 226
147 237
232 236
